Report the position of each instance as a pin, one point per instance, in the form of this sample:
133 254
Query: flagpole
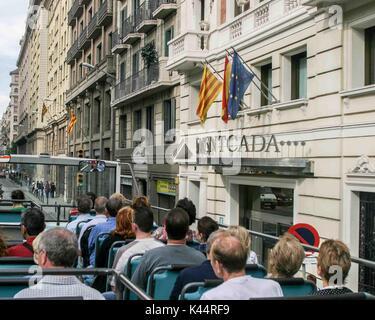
242 102
243 61
261 91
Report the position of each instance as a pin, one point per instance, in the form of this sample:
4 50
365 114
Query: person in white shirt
228 259
142 227
84 205
100 217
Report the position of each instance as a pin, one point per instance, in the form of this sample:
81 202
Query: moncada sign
239 144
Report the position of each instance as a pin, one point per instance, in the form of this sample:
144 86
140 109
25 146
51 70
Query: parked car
267 198
283 199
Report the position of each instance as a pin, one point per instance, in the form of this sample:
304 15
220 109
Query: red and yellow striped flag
210 88
73 120
227 72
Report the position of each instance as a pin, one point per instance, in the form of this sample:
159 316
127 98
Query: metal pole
259 88
133 176
244 62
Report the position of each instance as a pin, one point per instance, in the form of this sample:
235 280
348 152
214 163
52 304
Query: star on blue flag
240 80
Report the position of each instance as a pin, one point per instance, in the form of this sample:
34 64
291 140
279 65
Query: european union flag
239 82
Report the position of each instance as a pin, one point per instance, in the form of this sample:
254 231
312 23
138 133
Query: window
107 111
81 26
123 131
90 15
370 56
96 116
99 53
122 72
137 123
80 71
266 77
89 60
299 76
202 9
169 115
135 63
150 119
168 37
240 9
110 42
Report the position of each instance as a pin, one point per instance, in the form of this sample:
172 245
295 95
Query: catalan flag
210 88
227 72
72 122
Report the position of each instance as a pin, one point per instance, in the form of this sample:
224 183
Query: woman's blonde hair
119 196
286 257
242 234
334 253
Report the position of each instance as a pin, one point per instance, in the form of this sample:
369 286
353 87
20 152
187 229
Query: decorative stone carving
363 166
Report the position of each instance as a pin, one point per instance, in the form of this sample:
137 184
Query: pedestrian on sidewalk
53 189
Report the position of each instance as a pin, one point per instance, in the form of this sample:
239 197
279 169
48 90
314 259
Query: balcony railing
187 49
117 43
93 28
76 10
191 47
105 14
83 41
73 52
144 19
163 8
137 81
128 32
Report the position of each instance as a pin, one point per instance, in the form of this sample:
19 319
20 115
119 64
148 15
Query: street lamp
91 67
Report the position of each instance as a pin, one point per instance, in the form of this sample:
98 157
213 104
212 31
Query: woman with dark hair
141 201
18 197
188 206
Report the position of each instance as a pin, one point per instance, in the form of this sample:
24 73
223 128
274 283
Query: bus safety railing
39 272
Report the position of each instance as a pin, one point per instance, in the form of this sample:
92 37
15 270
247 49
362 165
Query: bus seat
161 281
11 286
16 263
295 287
80 226
194 290
131 266
256 270
99 242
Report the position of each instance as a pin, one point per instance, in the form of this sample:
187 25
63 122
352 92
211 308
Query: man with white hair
228 259
58 248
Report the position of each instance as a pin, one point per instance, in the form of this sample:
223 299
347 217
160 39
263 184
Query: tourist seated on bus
18 197
113 206
175 252
285 258
92 196
100 216
142 227
32 223
122 232
3 247
228 259
333 261
189 207
58 248
141 201
243 235
84 204
121 197
199 273
206 226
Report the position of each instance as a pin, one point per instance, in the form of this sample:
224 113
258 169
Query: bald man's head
100 204
230 252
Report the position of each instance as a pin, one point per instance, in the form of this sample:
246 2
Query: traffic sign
305 233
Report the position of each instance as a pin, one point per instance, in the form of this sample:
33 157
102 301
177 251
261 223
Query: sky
12 26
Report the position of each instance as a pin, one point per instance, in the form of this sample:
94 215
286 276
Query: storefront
166 196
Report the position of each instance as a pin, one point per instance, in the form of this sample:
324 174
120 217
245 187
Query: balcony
186 50
75 11
105 13
129 34
324 2
93 28
144 83
73 52
144 20
118 46
163 8
83 40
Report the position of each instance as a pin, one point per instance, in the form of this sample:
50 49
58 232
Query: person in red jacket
32 223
